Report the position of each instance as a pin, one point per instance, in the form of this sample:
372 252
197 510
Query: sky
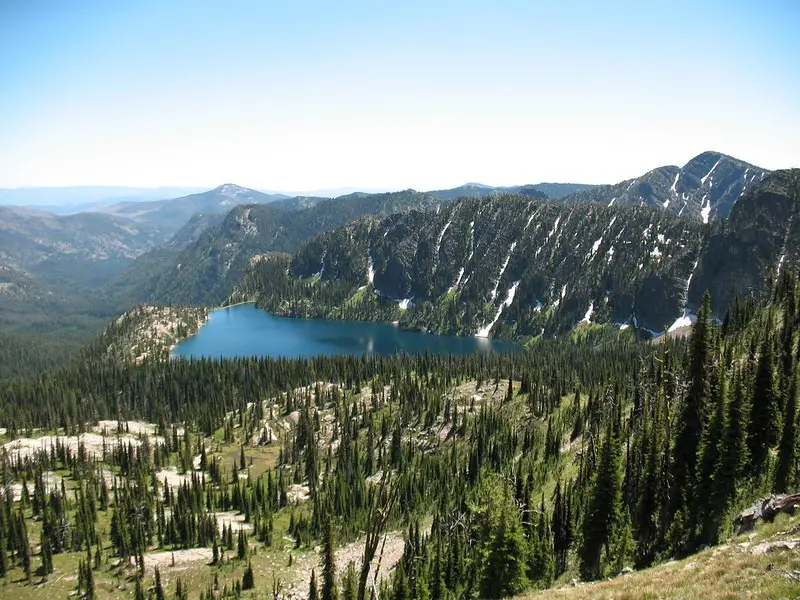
302 94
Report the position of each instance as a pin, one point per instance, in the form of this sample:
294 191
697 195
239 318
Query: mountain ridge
706 187
514 267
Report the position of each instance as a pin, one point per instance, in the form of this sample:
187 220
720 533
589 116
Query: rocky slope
761 237
205 271
515 267
705 188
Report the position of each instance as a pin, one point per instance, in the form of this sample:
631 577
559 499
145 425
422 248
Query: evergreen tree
138 592
248 580
313 594
504 572
329 590
691 420
733 453
349 583
709 462
159 591
604 506
764 424
787 450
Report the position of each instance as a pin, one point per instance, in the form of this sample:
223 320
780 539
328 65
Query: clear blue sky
297 95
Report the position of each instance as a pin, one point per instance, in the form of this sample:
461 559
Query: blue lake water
244 330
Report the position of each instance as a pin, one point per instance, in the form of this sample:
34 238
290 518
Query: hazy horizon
312 96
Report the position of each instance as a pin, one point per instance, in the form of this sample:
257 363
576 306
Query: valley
408 395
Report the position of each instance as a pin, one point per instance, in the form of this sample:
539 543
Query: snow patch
557 303
610 204
469 257
706 210
503 269
587 318
441 235
656 253
674 189
370 270
484 331
595 246
458 280
684 320
555 226
703 179
405 303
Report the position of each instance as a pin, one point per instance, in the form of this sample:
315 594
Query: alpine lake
244 330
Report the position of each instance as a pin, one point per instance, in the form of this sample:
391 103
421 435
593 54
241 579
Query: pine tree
329 591
313 594
764 424
691 419
504 571
541 565
604 506
733 452
349 583
560 525
89 580
241 545
3 554
248 580
401 590
787 450
138 592
620 545
709 462
181 592
159 588
24 548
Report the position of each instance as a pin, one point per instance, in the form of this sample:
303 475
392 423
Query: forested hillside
516 268
496 474
206 271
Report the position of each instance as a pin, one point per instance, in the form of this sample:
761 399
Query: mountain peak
232 190
710 157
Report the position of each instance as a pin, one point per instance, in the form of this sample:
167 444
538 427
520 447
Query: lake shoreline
246 332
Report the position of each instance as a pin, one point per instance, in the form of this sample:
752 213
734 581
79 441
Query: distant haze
380 96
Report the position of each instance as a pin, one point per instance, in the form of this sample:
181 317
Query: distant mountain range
170 215
193 249
39 242
75 199
206 270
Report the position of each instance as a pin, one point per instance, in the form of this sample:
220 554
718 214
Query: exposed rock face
761 237
706 188
766 509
